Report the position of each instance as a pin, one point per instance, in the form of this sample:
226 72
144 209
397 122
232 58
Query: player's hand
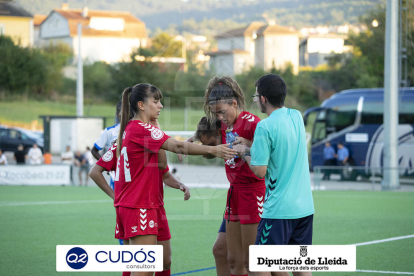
241 149
155 123
186 191
242 141
223 151
182 156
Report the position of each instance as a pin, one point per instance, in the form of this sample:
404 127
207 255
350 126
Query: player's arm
259 171
95 153
172 182
162 156
98 178
221 151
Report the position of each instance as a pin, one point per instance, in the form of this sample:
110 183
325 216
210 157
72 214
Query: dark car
10 138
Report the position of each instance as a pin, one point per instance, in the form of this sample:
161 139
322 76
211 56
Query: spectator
329 159
81 162
20 155
343 154
35 155
67 158
47 158
89 157
3 159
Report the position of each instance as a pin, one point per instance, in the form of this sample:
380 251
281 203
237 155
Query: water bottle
231 138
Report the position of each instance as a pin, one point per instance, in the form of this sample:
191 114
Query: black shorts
285 231
223 226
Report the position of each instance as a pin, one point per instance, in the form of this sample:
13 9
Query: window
372 111
4 133
340 117
406 110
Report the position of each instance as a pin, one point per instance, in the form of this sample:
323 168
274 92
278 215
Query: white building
257 44
314 49
107 36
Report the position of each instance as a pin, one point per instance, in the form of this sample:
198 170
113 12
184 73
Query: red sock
126 273
163 273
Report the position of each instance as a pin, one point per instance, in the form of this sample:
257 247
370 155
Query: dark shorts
223 226
285 231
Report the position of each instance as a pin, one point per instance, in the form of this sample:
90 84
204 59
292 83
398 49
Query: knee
167 263
220 250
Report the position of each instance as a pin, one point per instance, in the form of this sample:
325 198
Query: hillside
161 14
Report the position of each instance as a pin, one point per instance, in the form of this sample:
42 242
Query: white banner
35 175
109 258
302 258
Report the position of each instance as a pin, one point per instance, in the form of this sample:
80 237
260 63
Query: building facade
16 23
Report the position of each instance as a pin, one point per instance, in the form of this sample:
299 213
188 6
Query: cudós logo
77 258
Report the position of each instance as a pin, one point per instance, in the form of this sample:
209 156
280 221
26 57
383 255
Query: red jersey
137 177
238 171
108 160
161 194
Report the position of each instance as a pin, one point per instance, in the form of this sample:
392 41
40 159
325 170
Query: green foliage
98 80
30 71
164 45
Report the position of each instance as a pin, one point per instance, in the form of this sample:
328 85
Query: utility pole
79 78
391 89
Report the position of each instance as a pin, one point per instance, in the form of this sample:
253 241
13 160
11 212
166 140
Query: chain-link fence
354 177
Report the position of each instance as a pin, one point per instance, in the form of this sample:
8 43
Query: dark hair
273 88
219 89
340 143
205 128
88 148
130 97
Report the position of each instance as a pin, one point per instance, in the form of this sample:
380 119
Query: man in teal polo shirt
280 155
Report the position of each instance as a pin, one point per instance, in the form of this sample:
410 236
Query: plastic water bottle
231 138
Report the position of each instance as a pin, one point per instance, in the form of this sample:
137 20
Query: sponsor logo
151 224
77 258
303 251
157 134
109 258
108 156
134 229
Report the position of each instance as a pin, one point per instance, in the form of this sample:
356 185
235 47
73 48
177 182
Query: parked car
10 138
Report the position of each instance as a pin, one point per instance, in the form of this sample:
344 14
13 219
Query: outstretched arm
221 151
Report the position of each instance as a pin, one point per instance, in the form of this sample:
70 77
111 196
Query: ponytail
130 98
125 114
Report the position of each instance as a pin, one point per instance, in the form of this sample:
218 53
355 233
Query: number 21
126 166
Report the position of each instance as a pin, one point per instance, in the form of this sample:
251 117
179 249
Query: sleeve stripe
96 146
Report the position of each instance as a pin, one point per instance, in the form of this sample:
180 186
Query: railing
351 175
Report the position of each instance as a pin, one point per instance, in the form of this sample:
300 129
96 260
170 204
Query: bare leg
235 249
167 253
303 273
143 240
220 255
80 177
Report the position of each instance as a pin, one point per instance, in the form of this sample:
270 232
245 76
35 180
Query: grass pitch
33 220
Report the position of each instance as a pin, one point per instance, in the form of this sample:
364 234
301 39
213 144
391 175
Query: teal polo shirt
280 144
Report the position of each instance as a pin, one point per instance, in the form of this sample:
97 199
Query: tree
164 45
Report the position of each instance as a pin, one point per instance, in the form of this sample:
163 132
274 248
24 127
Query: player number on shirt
126 166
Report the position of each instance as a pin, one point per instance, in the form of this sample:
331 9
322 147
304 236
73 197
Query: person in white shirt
35 155
89 157
104 142
68 159
3 159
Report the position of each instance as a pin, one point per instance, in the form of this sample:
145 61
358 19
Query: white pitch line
384 240
385 272
8 204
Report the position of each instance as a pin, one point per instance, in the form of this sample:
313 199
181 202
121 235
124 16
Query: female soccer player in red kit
137 177
224 100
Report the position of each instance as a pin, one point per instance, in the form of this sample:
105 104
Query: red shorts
245 204
131 222
163 228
